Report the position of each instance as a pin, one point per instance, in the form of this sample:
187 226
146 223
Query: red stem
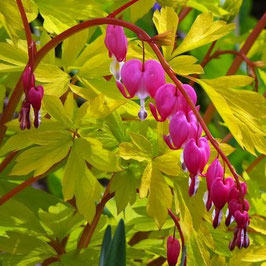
184 13
255 162
204 61
18 188
7 160
238 60
90 228
25 24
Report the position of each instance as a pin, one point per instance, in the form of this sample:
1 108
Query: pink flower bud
116 42
28 79
173 250
214 171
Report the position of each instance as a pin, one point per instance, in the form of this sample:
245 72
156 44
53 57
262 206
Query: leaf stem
7 160
255 163
238 60
90 228
13 192
26 25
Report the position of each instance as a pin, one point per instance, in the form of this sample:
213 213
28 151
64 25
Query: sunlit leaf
166 20
241 110
203 31
139 9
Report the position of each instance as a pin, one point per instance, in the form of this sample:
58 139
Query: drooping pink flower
196 156
165 100
219 195
182 127
173 250
34 97
214 171
141 80
116 42
233 206
169 100
240 235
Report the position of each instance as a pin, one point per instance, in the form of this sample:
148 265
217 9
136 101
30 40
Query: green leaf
49 58
185 65
241 110
55 108
107 239
72 47
140 8
16 215
203 31
66 13
208 6
169 163
98 107
78 181
13 55
160 196
92 151
11 19
55 80
117 252
166 20
23 244
42 158
142 143
124 185
60 220
233 7
129 151
2 95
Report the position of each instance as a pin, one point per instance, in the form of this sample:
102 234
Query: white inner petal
205 197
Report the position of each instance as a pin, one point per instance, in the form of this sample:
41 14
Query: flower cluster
147 79
33 98
222 190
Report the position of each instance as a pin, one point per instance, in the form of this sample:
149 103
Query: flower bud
28 79
116 42
173 250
